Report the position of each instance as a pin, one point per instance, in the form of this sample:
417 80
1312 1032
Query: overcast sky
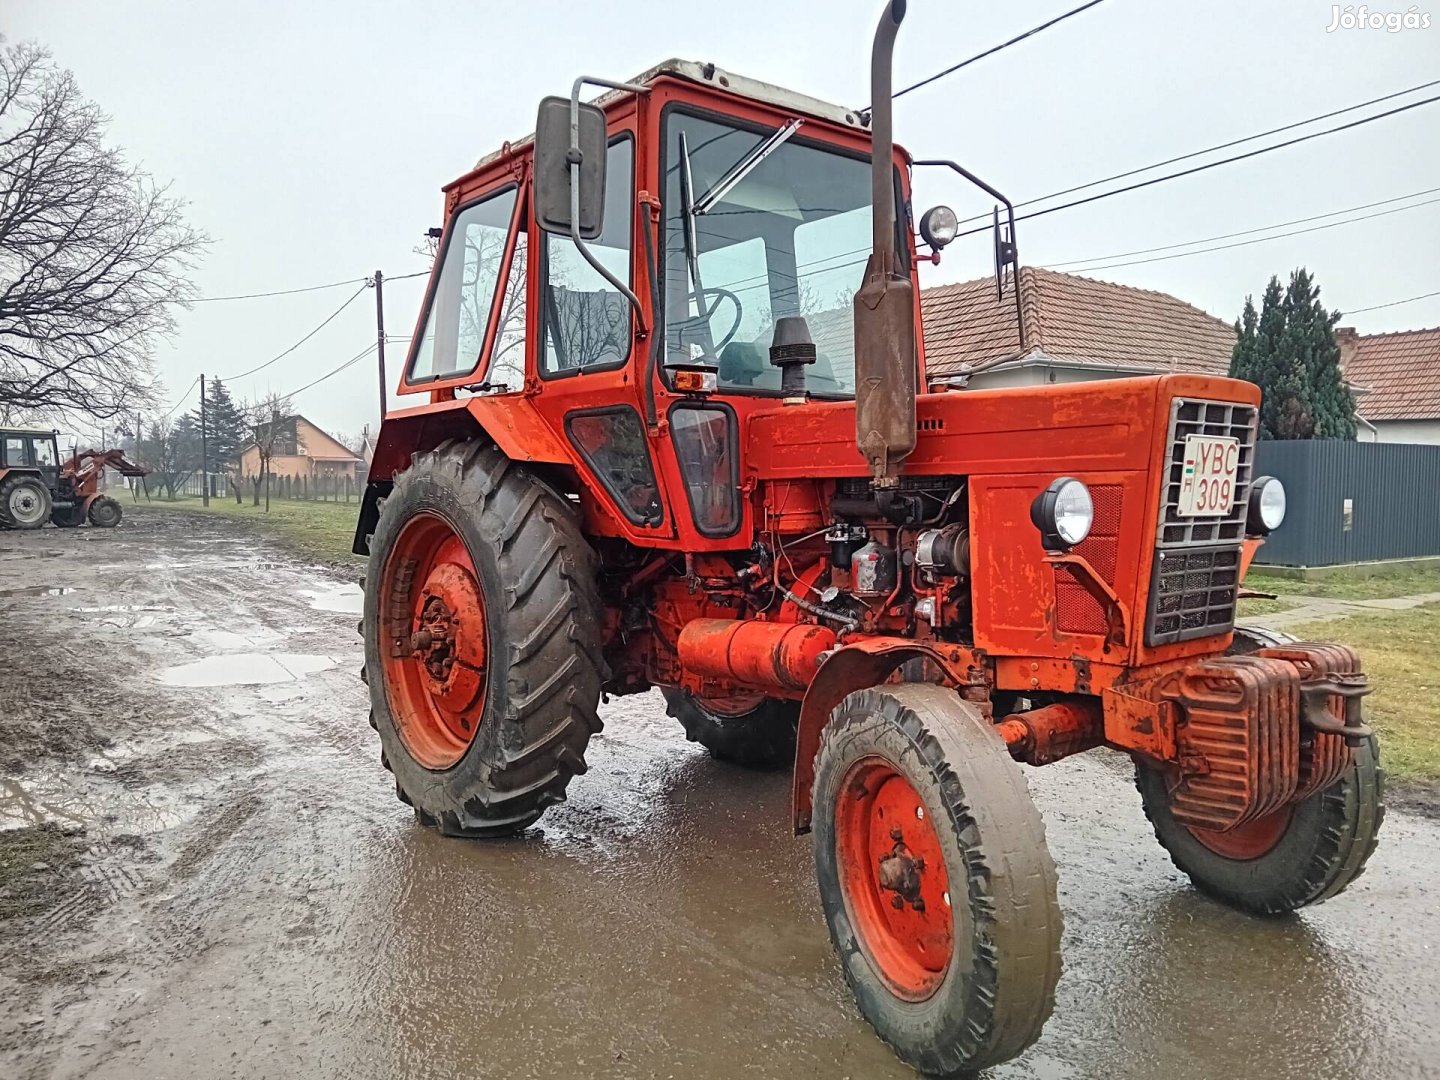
311 139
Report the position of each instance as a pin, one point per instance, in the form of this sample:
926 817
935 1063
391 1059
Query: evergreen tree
1289 351
226 429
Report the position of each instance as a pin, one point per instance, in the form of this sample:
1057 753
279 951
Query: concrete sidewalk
1318 609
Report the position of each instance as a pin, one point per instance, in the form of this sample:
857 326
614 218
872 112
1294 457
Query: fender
510 421
865 663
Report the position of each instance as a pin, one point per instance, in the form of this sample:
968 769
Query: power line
405 277
1259 240
996 48
1392 303
180 401
278 292
1242 232
307 337
1209 165
353 360
1217 146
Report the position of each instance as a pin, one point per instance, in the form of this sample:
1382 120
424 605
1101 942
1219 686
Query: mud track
204 873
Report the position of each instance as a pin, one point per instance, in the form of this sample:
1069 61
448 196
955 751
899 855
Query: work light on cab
1267 506
939 226
1063 513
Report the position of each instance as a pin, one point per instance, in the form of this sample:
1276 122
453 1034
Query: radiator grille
1197 562
1222 418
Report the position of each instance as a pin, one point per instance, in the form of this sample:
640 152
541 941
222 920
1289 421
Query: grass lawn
1399 650
1346 587
320 530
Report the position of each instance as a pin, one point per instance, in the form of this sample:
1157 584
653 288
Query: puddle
342 599
246 669
39 590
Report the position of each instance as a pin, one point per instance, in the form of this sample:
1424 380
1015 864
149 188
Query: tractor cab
29 476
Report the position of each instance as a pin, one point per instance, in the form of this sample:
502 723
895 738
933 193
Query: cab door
45 456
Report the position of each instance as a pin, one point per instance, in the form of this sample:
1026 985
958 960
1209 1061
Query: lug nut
897 902
896 834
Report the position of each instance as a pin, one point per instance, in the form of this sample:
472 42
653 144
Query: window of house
588 322
474 255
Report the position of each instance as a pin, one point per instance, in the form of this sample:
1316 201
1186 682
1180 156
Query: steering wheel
721 295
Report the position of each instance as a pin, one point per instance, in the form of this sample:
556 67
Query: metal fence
1352 502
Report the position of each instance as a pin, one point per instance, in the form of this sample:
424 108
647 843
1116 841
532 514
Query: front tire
935 879
105 513
482 641
24 503
1299 855
757 733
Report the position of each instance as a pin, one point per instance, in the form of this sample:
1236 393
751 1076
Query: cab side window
15 452
43 451
587 323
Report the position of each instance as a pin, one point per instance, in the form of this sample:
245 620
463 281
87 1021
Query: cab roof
718 78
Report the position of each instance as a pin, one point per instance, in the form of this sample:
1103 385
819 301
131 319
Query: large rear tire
24 503
758 733
1299 855
482 641
935 879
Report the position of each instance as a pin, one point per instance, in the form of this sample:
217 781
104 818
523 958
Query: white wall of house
1041 371
1400 431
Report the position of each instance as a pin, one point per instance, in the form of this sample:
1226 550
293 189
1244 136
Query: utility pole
380 334
204 455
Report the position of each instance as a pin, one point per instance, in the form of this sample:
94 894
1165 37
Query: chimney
1348 338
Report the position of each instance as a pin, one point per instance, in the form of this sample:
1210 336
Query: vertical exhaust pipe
885 336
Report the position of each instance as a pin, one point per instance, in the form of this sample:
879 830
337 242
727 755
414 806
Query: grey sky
311 139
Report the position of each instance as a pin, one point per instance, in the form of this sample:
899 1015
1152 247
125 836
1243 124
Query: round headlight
1267 506
1063 513
939 226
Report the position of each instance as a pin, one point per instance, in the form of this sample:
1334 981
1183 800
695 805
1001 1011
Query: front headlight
1063 513
1267 506
939 226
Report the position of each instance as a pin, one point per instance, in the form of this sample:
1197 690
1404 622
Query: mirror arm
574 161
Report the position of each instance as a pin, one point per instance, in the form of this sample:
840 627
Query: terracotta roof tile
1075 319
1402 373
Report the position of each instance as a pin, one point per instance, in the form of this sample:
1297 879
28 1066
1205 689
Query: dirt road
225 886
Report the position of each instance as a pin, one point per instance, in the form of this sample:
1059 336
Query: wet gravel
241 895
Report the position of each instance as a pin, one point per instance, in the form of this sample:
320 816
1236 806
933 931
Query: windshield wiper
743 168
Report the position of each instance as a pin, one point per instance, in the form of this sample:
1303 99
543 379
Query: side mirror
554 201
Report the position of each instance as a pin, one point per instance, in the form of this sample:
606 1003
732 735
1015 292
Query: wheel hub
892 872
436 667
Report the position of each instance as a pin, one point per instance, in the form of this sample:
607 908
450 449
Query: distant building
1074 329
1396 378
302 449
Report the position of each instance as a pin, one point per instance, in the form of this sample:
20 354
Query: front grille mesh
1221 418
1197 562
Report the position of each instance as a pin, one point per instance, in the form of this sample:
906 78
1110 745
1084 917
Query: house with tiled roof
1396 379
1066 329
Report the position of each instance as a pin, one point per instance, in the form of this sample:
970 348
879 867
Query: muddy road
207 875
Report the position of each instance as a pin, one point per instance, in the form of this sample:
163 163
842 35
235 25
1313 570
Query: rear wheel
1301 854
105 513
482 649
24 502
751 729
934 877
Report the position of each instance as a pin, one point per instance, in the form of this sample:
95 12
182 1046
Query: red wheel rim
1250 840
893 878
435 641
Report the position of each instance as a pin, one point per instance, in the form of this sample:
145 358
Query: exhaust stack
885 337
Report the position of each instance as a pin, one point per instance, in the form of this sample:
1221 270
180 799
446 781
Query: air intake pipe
885 337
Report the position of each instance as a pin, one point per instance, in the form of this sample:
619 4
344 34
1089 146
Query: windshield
791 237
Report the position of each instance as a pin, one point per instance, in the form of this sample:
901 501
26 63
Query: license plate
1207 484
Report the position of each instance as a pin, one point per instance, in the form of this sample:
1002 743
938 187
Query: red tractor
35 487
667 443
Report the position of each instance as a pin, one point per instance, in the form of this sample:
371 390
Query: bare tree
274 431
94 255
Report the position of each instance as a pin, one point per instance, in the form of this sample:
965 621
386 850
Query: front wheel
935 879
105 513
1301 854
